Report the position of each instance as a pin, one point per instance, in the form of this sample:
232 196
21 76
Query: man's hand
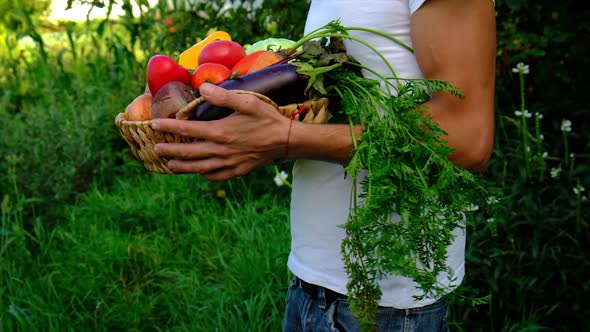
253 136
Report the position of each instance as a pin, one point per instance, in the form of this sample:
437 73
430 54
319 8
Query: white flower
492 200
541 137
555 172
521 68
203 14
566 125
281 178
526 113
539 115
578 189
490 220
473 207
545 154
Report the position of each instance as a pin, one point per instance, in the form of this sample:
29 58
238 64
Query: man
454 41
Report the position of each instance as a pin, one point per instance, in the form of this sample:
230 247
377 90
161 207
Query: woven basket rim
141 138
121 118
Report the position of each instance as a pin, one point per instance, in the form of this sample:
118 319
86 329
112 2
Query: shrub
527 246
57 124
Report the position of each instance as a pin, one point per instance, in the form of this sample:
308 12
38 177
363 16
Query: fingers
213 169
195 129
194 150
200 157
202 166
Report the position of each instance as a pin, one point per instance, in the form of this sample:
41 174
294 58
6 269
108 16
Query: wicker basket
142 138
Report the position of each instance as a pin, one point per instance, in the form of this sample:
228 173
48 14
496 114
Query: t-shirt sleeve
415 4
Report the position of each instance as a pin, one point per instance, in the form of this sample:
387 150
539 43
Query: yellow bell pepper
189 59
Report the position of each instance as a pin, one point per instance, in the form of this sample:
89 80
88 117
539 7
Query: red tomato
223 52
162 69
211 73
243 66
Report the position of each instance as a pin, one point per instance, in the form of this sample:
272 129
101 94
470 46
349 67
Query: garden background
90 241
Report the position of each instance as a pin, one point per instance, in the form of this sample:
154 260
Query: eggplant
280 82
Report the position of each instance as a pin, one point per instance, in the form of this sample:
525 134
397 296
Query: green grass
175 259
90 241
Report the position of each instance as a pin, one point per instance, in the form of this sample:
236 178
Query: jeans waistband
315 291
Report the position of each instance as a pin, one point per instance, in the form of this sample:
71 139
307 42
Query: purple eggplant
281 83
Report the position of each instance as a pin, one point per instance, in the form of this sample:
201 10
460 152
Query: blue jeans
304 313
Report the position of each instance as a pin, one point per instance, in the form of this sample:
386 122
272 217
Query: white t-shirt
321 192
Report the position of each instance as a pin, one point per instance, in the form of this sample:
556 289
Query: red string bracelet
301 109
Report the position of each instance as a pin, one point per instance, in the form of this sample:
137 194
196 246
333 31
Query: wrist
325 142
292 122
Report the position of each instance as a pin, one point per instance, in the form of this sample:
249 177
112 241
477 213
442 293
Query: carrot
266 59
